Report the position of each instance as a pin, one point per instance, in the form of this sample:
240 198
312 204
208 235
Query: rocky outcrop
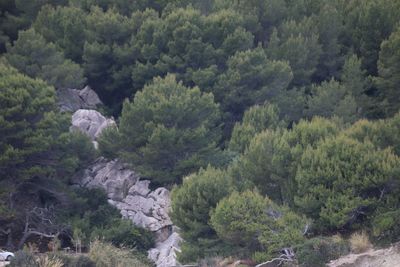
135 200
74 99
389 257
91 123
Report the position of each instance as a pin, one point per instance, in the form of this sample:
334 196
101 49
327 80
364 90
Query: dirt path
3 263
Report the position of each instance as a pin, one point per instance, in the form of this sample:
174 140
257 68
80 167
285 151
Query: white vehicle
5 255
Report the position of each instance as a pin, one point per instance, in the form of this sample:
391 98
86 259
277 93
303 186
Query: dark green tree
169 130
261 15
108 56
297 43
192 203
332 99
37 150
340 182
32 55
255 120
251 79
389 72
271 160
330 28
65 27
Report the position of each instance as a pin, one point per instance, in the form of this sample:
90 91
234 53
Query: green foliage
23 259
251 79
109 142
195 198
105 255
63 26
389 72
35 139
262 15
318 251
254 223
239 218
271 160
341 179
122 233
92 217
332 99
255 119
297 43
330 27
368 24
32 55
169 130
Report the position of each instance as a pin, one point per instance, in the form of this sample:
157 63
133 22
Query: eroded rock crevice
144 207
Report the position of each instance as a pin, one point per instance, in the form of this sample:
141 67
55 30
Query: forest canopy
275 123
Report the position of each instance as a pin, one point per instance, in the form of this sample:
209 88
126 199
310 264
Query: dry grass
359 242
49 262
106 255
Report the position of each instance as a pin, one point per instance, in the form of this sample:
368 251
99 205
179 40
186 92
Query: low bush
317 251
359 242
23 259
105 255
73 260
46 261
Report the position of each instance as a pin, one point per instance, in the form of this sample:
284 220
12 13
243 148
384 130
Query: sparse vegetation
359 242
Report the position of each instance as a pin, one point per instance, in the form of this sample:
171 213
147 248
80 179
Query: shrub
105 255
252 222
319 250
168 131
122 232
359 242
73 260
47 261
385 226
23 259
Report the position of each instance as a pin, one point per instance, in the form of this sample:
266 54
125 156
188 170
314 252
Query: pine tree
32 55
389 72
169 130
255 120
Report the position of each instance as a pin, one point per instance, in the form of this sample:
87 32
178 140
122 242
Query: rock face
138 203
74 99
91 123
389 257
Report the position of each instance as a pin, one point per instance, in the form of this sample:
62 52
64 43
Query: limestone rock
389 257
136 202
164 254
90 122
74 99
112 176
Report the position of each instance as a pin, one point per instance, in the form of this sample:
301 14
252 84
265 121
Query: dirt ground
3 263
389 257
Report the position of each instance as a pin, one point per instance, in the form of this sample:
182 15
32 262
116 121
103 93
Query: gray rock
112 176
91 123
164 254
74 99
144 207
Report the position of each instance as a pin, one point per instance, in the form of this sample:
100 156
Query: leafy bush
168 131
359 242
385 226
252 222
319 250
122 233
23 259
